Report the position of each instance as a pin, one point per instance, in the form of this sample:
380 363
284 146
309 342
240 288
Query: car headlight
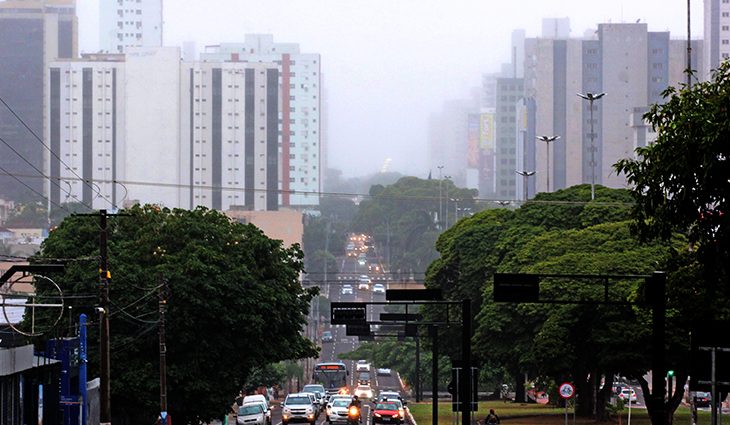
376 414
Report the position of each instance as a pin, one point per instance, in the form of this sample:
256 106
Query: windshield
318 389
298 400
386 406
342 402
250 410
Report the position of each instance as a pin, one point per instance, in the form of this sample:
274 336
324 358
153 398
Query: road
351 268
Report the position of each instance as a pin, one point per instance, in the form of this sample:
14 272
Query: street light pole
441 212
590 97
525 175
446 221
547 140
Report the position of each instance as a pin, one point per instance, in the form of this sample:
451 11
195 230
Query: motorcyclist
355 402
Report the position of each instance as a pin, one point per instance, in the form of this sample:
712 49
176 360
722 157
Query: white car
264 407
378 288
362 367
628 395
299 408
337 410
346 290
251 414
364 391
365 282
383 371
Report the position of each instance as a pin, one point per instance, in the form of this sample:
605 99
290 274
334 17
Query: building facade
129 23
300 115
717 35
32 34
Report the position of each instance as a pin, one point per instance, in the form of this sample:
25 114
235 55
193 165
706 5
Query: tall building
32 34
129 23
142 126
300 111
626 61
230 130
717 35
509 94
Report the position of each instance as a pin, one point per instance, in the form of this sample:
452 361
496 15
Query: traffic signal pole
105 390
658 283
465 382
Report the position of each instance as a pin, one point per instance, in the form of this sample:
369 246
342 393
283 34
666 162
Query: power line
347 195
98 192
5 172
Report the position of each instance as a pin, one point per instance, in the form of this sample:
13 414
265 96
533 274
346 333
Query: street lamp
456 209
446 221
525 175
590 97
441 213
547 140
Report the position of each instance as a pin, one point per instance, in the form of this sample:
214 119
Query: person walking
491 418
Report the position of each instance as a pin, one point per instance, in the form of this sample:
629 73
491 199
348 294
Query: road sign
567 390
413 295
347 313
400 317
357 329
516 287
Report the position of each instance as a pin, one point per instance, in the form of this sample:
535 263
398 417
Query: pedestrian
491 418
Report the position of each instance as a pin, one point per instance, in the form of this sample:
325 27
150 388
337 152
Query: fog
388 64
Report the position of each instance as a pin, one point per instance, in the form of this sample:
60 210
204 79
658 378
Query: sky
387 65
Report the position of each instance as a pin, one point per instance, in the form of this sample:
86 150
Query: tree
681 183
235 305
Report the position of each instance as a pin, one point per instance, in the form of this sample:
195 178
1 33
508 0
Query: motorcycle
353 415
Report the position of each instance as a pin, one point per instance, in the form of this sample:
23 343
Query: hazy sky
388 64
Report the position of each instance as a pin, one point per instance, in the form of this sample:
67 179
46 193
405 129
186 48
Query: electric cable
51 151
5 172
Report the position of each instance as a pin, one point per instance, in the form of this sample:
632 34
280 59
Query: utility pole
163 293
446 221
104 276
105 414
525 175
689 46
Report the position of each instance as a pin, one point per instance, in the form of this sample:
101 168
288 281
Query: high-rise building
32 34
129 23
509 94
230 130
626 61
300 111
717 35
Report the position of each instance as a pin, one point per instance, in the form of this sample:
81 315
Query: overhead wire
5 172
350 195
55 155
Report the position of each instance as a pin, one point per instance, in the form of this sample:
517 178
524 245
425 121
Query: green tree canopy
235 305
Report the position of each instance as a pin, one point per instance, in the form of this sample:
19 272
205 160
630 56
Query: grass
535 414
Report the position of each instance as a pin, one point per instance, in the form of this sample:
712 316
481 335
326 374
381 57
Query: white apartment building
129 23
230 135
300 113
114 120
717 35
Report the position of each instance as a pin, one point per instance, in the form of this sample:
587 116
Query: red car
387 412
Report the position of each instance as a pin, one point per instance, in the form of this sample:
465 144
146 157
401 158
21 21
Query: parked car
364 391
251 414
299 407
703 399
327 336
387 412
628 394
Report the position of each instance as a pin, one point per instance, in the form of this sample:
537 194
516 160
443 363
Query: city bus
333 376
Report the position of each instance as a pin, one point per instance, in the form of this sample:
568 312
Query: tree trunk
519 386
585 398
670 406
604 396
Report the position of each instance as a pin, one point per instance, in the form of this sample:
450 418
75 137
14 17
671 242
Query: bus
333 376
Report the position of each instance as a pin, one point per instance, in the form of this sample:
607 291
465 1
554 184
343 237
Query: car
264 407
627 394
251 414
387 412
362 367
327 336
389 395
365 282
299 407
702 399
363 378
256 398
383 371
346 289
337 409
378 288
318 391
364 391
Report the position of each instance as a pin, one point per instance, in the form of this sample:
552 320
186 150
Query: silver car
299 407
337 410
251 414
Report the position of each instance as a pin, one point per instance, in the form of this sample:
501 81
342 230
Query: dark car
363 378
702 399
327 336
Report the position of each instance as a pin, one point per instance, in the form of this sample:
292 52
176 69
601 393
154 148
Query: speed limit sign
566 390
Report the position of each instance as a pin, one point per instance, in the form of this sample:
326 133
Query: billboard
473 138
486 131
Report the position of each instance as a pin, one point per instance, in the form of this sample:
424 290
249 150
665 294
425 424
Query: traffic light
670 373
